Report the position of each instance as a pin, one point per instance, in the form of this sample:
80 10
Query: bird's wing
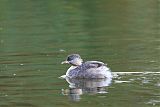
93 64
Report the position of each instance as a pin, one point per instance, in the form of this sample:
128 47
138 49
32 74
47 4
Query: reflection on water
35 36
77 87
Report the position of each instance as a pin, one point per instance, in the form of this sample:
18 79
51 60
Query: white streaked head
73 59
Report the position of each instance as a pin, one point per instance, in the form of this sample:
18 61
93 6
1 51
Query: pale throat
77 62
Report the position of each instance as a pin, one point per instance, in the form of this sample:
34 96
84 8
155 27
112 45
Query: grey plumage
88 69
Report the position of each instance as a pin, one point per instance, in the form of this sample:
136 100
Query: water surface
36 35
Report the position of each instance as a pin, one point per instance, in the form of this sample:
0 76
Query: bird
87 69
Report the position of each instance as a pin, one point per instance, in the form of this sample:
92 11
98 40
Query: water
35 36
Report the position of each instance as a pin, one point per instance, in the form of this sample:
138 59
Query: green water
36 35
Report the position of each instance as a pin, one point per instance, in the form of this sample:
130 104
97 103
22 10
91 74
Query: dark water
36 35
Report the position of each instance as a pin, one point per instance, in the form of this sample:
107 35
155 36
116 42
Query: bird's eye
69 58
72 57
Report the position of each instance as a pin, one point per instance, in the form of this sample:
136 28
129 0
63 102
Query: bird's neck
77 63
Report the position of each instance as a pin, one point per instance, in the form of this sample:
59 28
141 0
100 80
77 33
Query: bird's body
88 69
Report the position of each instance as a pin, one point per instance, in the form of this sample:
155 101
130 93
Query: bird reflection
77 87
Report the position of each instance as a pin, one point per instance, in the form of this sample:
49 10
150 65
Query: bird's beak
65 62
